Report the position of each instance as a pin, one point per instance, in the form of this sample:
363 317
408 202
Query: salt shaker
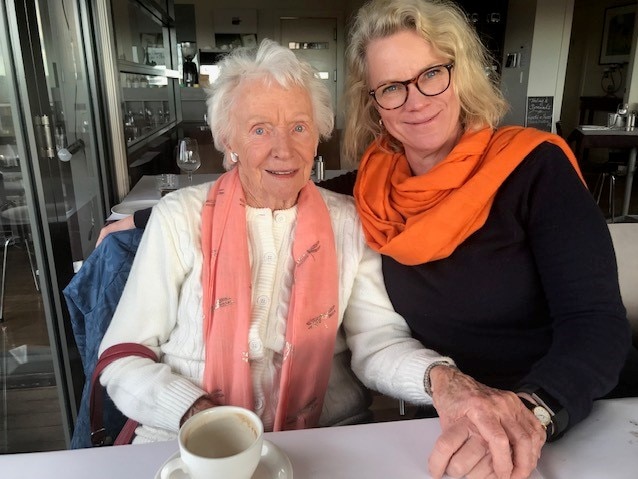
319 169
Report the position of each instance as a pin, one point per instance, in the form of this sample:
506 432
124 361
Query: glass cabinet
148 82
147 105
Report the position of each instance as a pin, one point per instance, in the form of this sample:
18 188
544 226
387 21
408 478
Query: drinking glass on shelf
188 156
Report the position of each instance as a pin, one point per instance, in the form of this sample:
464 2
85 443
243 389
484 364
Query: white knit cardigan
161 307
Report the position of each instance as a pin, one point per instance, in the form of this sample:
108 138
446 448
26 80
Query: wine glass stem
190 177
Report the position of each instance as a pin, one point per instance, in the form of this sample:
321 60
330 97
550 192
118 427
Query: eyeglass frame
406 83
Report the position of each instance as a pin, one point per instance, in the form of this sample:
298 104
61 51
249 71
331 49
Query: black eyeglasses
430 82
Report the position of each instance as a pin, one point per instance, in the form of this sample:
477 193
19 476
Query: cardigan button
255 345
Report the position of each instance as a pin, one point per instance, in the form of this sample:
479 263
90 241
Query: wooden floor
30 418
33 421
29 408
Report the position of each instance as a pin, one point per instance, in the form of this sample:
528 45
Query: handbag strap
118 351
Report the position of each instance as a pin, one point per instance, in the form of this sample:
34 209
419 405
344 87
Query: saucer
274 464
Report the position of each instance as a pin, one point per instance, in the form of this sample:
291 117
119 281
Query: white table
604 446
145 190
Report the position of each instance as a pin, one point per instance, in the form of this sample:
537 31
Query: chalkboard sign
540 112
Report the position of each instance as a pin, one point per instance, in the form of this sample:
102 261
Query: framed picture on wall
618 31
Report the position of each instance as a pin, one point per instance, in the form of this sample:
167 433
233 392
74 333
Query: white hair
269 62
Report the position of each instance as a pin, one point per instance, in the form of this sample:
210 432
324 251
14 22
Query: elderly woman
493 249
241 286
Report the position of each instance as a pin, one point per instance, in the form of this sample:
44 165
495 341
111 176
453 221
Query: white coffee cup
220 442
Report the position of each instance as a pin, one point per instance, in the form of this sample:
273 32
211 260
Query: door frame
51 238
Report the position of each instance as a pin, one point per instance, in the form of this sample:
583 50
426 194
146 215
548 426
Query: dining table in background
603 446
589 136
145 192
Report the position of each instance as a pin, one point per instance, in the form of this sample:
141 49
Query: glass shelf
147 105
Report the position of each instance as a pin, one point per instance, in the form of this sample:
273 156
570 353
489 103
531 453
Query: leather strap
98 432
560 416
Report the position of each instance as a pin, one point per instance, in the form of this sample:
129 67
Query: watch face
542 415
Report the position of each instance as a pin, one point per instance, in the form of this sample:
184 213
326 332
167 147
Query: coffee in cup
223 441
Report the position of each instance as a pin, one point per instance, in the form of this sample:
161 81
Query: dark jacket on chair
91 297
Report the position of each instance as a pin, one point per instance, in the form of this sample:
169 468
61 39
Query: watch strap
560 416
534 409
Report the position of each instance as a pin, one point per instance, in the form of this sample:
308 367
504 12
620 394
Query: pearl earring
233 157
380 122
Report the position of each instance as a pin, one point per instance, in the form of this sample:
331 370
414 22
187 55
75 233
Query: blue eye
390 88
429 74
259 131
300 128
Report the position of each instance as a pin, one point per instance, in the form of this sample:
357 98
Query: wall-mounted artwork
618 32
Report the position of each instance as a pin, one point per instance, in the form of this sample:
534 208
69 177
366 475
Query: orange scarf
311 326
416 219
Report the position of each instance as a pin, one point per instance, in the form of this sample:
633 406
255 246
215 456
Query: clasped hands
486 433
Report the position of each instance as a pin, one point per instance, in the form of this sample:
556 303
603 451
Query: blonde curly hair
446 27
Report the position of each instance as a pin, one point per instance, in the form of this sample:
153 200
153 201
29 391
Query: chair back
625 239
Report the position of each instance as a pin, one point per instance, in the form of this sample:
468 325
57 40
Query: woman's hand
204 402
474 416
462 452
120 225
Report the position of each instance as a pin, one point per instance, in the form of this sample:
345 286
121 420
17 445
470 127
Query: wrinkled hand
204 402
468 453
475 416
120 225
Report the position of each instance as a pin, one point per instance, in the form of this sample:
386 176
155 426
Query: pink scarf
312 316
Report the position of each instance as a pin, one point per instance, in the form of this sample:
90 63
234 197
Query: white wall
519 34
631 95
539 31
550 49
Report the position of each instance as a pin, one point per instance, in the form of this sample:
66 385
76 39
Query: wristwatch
552 416
542 414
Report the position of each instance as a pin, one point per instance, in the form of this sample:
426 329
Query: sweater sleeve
343 184
385 356
152 393
576 264
140 217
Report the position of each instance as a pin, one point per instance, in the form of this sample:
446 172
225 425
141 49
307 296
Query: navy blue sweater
532 297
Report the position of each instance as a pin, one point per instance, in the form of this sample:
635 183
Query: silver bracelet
427 384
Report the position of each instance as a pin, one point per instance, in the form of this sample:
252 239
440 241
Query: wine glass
188 156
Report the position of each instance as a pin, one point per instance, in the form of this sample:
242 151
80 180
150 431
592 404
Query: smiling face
275 139
427 126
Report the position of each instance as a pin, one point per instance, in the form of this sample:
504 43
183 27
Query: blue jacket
91 298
